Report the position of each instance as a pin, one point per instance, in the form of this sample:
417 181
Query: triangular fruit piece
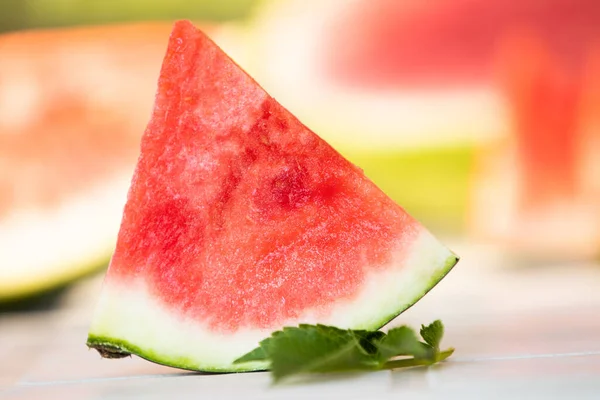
240 221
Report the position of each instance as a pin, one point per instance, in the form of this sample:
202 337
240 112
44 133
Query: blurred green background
26 14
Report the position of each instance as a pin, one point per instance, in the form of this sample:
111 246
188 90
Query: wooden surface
520 331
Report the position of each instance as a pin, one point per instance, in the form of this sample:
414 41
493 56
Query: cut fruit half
409 137
240 220
73 102
541 182
406 89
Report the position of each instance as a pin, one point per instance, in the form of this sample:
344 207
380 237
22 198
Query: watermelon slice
414 139
407 85
542 180
240 220
73 102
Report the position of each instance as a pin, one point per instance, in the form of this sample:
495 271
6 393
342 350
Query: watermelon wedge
240 220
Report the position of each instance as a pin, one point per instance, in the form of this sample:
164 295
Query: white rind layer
128 319
42 248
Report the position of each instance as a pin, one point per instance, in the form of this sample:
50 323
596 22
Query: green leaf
414 362
401 341
317 348
261 353
322 348
368 340
258 354
433 334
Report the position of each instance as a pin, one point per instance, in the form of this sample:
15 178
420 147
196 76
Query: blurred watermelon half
406 89
542 183
73 105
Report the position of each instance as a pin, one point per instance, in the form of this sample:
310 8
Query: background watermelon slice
541 181
73 104
418 76
240 220
414 140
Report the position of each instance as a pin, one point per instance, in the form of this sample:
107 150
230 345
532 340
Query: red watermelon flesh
545 169
447 42
544 98
240 220
588 141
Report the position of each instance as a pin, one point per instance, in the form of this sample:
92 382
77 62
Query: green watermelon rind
113 347
41 285
451 261
122 348
67 242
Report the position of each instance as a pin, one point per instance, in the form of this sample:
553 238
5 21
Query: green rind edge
125 348
451 261
39 287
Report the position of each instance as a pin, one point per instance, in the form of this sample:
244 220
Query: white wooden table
519 332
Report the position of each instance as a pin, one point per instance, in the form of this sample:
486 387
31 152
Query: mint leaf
317 348
433 333
414 362
368 339
322 348
401 341
261 353
258 354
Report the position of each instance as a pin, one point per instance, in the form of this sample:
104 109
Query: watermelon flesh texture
240 220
